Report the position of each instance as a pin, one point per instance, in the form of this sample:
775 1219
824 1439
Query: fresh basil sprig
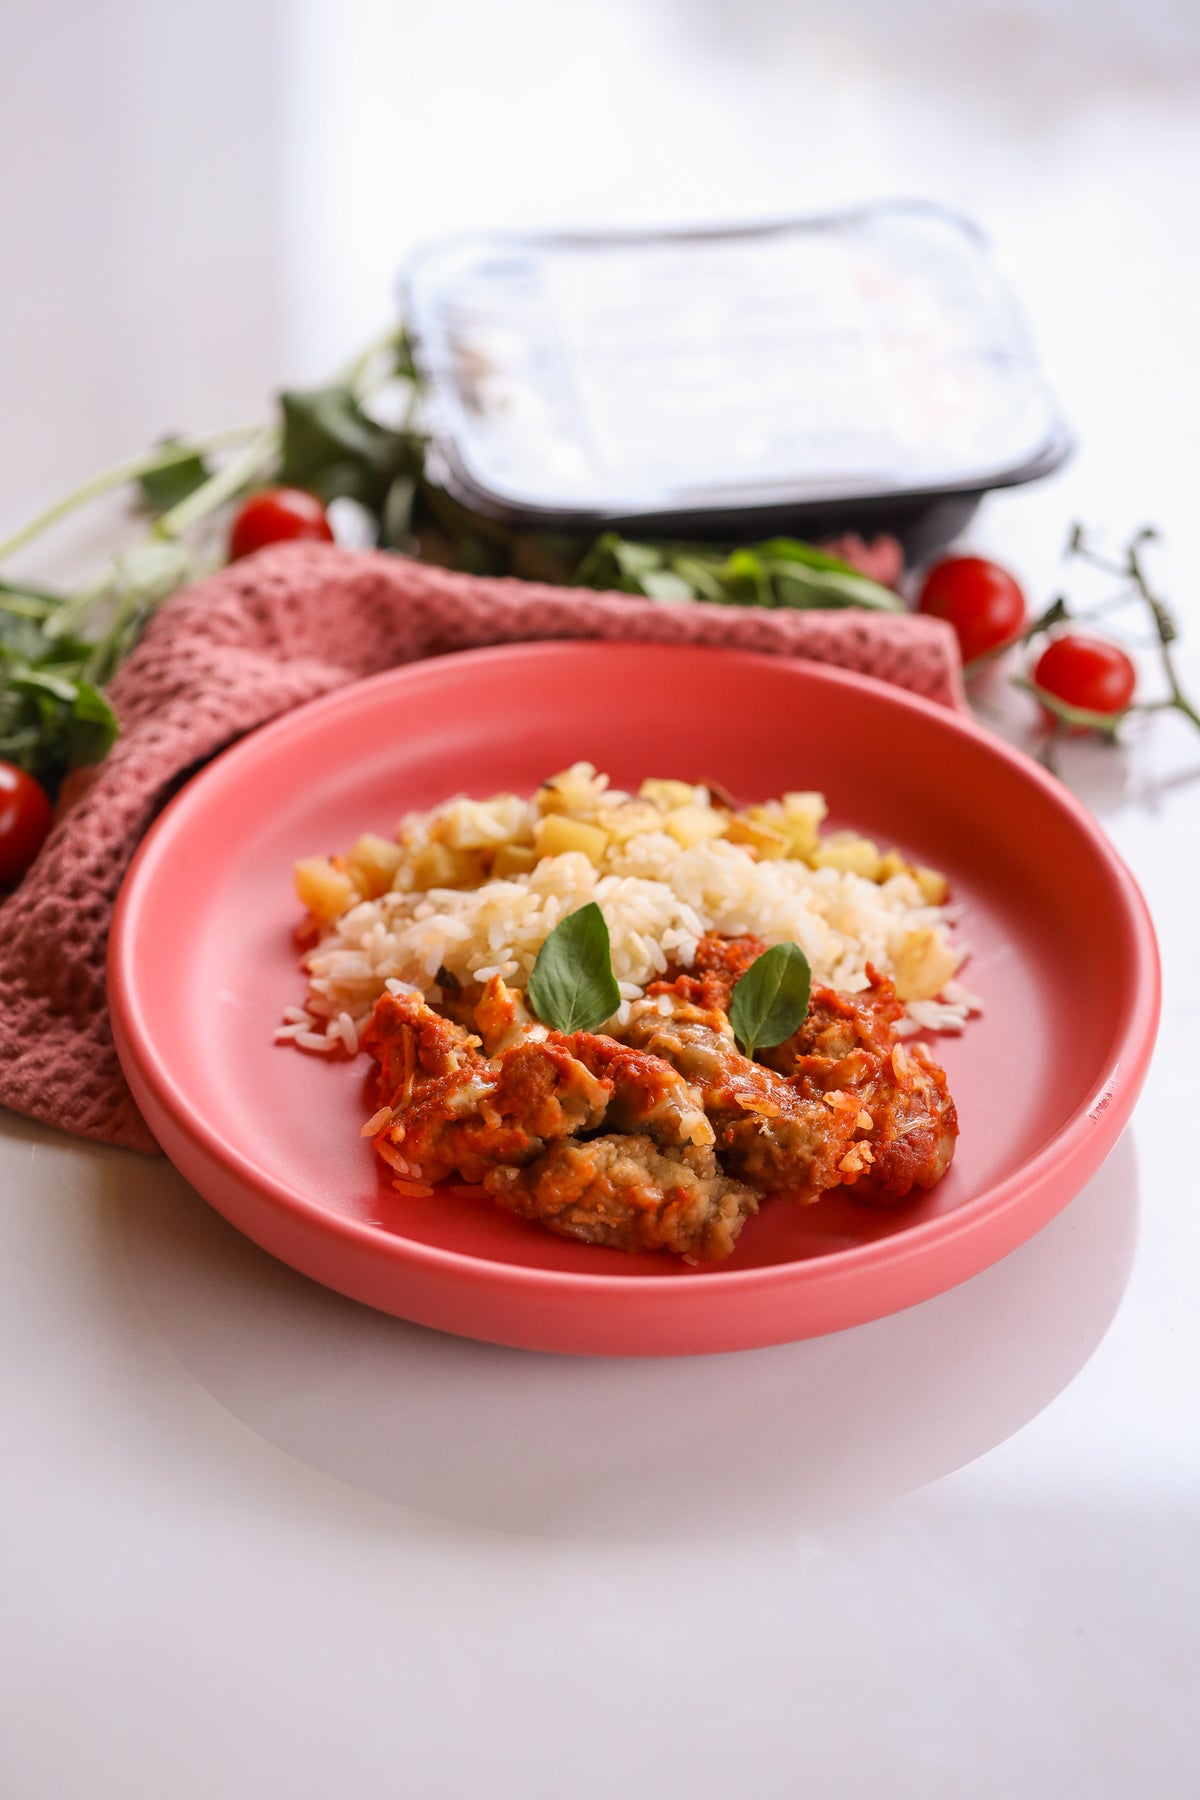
781 572
771 999
572 987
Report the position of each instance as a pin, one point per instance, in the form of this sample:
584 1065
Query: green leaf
572 987
597 569
66 652
20 637
794 550
797 584
771 999
635 561
332 448
627 568
745 580
172 480
780 572
700 573
666 585
93 727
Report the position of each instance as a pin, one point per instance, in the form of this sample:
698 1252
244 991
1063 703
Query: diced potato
690 825
796 830
932 886
766 812
935 889
435 865
628 820
846 850
514 859
556 834
803 813
372 864
668 794
923 966
892 864
768 840
327 892
480 824
577 789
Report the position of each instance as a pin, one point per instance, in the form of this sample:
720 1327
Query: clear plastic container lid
638 377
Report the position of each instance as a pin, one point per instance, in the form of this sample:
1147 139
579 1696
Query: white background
254 1539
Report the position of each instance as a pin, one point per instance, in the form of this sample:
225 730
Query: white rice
657 901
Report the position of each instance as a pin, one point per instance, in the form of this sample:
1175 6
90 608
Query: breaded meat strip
626 1193
452 1111
766 1133
848 1045
846 1051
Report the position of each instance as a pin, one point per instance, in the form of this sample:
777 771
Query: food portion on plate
631 1017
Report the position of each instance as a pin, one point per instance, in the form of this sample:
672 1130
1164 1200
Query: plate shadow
552 1446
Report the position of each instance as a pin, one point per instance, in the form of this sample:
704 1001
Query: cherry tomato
1087 672
980 599
273 517
25 819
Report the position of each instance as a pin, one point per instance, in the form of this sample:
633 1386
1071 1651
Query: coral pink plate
202 964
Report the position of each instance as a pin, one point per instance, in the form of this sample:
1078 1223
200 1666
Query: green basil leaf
745 579
572 987
65 650
20 636
700 574
598 568
333 448
93 728
173 480
780 572
796 584
667 586
635 560
794 550
616 563
771 999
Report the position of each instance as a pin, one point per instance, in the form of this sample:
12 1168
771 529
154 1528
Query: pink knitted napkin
243 647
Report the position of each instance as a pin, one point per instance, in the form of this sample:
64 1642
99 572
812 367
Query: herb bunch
59 650
357 439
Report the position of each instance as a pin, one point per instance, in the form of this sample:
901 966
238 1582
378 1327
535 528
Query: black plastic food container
860 371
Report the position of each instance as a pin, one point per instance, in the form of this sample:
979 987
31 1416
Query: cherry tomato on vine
1087 672
25 819
978 598
274 516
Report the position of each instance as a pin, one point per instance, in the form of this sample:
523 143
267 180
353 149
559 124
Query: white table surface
257 1540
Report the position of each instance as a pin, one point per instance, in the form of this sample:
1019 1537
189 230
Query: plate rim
1132 1045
